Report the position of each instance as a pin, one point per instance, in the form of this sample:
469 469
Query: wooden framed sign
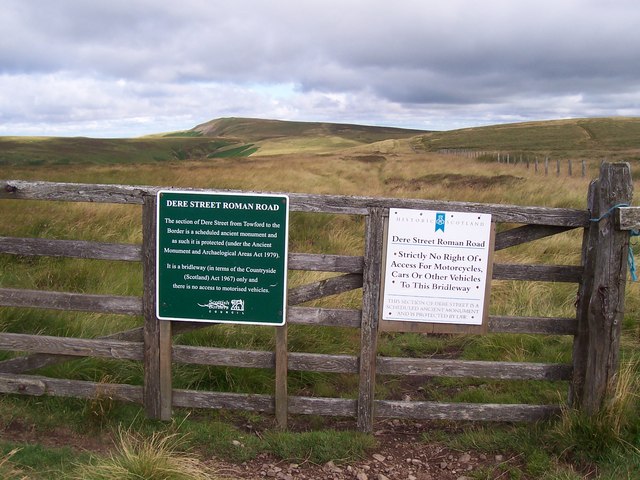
437 271
222 257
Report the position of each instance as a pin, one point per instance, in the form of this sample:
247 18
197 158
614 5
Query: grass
559 450
574 446
319 447
27 461
155 457
592 138
136 448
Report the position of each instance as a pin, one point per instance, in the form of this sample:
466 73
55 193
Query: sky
126 68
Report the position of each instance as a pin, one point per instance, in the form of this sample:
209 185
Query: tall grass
8 470
158 457
398 174
616 427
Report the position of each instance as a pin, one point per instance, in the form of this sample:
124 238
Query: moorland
66 438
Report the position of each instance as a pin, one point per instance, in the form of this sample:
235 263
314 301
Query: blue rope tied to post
631 261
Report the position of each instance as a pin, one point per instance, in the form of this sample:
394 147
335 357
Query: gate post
374 232
601 296
157 334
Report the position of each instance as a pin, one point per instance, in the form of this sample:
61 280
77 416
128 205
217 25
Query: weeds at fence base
159 456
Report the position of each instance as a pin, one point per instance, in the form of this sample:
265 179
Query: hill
255 130
273 137
615 138
588 137
221 138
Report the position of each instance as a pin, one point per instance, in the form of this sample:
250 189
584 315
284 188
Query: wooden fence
600 281
538 164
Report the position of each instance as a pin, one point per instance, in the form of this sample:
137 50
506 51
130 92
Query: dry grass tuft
158 457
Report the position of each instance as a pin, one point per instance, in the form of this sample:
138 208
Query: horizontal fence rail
352 205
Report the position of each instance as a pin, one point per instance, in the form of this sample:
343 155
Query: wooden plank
319 362
226 357
585 289
77 347
500 213
39 385
83 302
327 407
352 205
606 301
325 263
39 360
534 325
295 316
223 357
231 401
298 361
73 192
22 385
31 362
56 387
282 363
374 236
71 249
154 388
324 288
429 328
472 369
466 411
538 273
526 233
328 317
166 379
627 218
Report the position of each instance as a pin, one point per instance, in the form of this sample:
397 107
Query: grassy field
594 138
332 160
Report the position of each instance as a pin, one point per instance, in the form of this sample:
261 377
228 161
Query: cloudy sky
123 68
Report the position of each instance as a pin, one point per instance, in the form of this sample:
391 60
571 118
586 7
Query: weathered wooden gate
600 278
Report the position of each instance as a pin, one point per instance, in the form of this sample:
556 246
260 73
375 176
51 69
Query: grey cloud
410 56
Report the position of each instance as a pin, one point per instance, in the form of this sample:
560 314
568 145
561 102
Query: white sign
436 266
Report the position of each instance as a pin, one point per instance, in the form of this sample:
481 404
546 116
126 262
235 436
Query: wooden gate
600 280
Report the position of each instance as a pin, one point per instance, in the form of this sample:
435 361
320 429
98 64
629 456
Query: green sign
222 257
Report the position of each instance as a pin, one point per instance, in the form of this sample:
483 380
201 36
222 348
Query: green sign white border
230 194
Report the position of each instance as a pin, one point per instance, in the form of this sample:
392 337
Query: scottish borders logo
236 305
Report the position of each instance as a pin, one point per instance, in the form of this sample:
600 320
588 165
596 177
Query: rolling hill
612 138
586 137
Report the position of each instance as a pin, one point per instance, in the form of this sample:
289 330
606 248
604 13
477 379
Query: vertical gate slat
281 393
370 317
581 338
604 304
157 337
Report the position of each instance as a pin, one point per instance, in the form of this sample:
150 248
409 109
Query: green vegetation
320 446
223 138
252 129
593 138
574 446
155 457
41 151
225 157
